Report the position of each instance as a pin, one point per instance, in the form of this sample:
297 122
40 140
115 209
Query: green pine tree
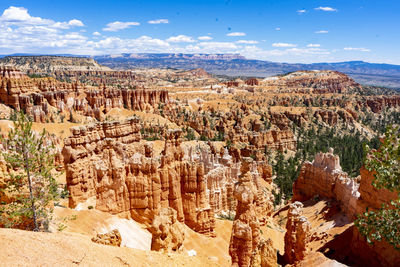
29 182
384 224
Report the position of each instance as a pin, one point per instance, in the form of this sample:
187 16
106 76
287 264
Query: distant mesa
49 64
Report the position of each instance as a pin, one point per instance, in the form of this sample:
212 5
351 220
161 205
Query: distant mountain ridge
236 65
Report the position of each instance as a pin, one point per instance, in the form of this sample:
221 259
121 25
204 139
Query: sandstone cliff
324 178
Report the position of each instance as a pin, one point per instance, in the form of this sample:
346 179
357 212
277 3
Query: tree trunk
36 229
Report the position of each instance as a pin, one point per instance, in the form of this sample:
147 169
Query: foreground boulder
112 238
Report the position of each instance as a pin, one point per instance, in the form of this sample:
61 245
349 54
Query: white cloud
313 45
118 25
158 21
143 44
326 8
301 11
75 23
361 49
283 45
247 42
19 16
204 38
236 34
180 39
96 34
321 32
277 29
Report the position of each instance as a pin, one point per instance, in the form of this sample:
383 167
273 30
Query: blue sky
277 30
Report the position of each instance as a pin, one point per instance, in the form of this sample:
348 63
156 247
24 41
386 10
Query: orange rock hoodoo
297 234
109 162
247 247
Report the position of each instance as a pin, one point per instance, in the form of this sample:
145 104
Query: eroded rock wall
110 162
45 98
325 178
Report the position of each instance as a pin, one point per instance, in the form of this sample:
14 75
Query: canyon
190 162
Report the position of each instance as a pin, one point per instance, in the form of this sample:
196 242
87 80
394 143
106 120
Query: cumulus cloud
301 11
158 21
277 29
322 32
234 34
180 39
75 23
326 9
247 42
283 45
19 16
313 45
204 38
361 49
118 25
96 34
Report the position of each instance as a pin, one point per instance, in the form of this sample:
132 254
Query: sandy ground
214 248
23 248
92 222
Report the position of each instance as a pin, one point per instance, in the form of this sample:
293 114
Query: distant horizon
289 31
245 58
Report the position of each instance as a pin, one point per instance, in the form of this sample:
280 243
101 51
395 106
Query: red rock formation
10 72
107 161
251 81
44 98
324 177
